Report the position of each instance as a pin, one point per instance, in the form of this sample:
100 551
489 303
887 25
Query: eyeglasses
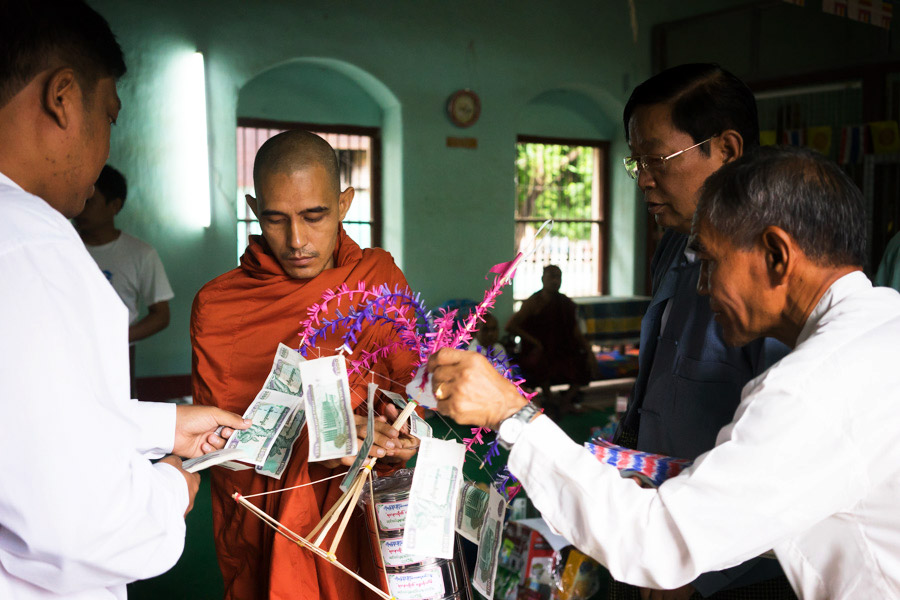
635 164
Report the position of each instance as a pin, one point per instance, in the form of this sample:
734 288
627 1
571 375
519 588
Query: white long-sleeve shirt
82 510
809 467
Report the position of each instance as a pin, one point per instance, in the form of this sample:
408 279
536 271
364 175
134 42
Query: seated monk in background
554 351
237 322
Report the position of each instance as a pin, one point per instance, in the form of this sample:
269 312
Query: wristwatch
511 427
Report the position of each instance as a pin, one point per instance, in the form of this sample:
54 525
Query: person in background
132 266
486 338
83 510
554 351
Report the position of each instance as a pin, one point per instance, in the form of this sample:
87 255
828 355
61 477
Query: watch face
464 108
511 429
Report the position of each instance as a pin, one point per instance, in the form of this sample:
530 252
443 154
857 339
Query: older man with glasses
682 125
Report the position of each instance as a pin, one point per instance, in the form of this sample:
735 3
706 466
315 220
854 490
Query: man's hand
192 479
682 593
388 444
197 429
470 391
406 444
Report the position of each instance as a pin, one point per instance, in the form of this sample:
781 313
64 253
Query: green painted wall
310 93
548 68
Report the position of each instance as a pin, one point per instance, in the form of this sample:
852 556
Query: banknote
280 453
285 374
284 378
433 497
268 418
418 426
329 409
470 512
212 459
421 392
489 545
367 444
277 413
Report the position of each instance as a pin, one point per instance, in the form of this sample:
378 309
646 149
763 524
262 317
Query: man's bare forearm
156 320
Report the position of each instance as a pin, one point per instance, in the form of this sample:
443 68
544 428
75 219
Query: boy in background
131 265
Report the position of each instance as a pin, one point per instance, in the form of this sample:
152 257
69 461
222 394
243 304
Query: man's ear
344 202
731 145
60 93
779 250
118 203
253 203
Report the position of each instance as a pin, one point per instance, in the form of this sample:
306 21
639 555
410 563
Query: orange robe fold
237 321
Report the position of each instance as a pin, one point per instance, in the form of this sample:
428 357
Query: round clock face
464 108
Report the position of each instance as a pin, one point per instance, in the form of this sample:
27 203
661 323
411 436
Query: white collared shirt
82 509
809 467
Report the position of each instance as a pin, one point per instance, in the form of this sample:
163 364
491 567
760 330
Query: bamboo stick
357 488
341 504
407 410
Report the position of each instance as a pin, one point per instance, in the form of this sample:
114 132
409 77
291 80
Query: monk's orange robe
237 321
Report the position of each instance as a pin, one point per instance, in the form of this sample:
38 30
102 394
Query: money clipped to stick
418 427
471 512
489 545
433 498
367 443
329 409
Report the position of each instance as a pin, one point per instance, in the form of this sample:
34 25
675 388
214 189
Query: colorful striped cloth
650 468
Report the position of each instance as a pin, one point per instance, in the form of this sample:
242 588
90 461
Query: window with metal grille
359 161
567 181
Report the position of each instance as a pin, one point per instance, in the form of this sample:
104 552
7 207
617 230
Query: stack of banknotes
296 391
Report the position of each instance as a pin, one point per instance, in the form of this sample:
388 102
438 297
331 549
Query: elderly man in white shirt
810 465
82 509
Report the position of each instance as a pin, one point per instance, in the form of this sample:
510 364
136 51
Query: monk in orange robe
237 322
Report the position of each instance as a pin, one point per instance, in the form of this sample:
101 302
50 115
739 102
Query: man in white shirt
82 509
810 465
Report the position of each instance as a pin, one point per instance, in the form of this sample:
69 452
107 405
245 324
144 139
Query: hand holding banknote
197 429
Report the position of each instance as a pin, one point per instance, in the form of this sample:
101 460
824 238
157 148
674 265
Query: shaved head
292 151
299 202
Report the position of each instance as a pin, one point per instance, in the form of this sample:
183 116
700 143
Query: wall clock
464 108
